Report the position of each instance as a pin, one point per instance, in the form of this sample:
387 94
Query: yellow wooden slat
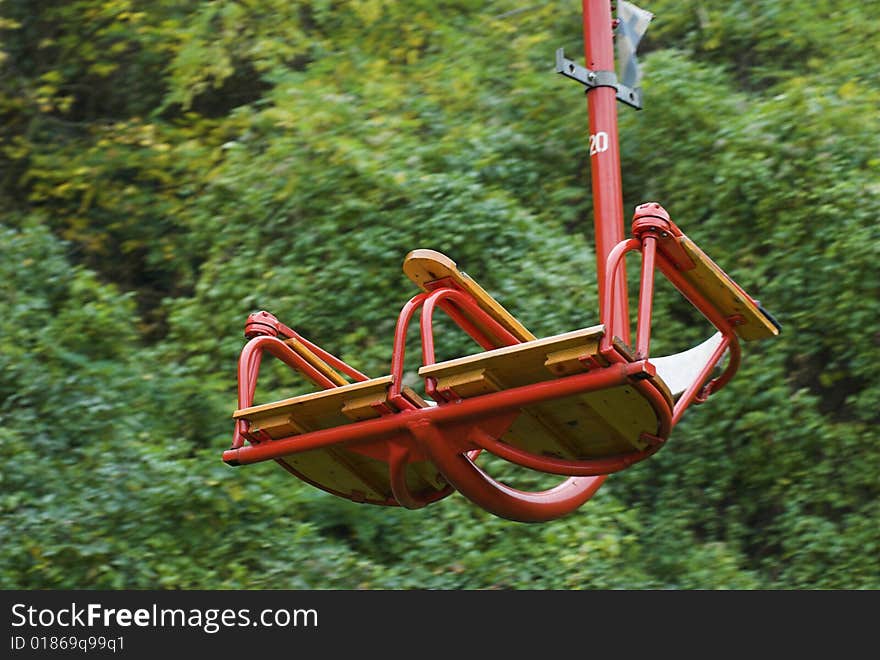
316 362
530 356
317 403
723 293
343 471
426 266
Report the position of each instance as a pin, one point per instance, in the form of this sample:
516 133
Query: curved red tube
502 334
571 468
399 350
398 459
249 368
496 497
505 338
607 310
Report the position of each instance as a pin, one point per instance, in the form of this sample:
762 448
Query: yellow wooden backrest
721 291
424 267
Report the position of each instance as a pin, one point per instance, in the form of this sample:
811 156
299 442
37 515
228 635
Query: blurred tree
166 168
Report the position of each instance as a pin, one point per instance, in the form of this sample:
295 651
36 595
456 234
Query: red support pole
646 297
605 158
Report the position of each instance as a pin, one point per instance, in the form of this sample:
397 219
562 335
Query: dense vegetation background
167 168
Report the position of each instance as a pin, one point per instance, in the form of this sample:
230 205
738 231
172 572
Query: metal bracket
592 79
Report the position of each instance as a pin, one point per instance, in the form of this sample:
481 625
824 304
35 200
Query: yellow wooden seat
596 424
339 469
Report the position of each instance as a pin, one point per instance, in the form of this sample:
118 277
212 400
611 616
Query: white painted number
598 143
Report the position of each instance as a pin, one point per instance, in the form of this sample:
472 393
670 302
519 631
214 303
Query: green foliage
167 168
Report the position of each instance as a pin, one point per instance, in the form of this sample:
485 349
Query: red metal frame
454 431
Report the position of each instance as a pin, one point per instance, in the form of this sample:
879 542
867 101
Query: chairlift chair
583 404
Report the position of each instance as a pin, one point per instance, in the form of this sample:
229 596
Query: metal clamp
592 79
